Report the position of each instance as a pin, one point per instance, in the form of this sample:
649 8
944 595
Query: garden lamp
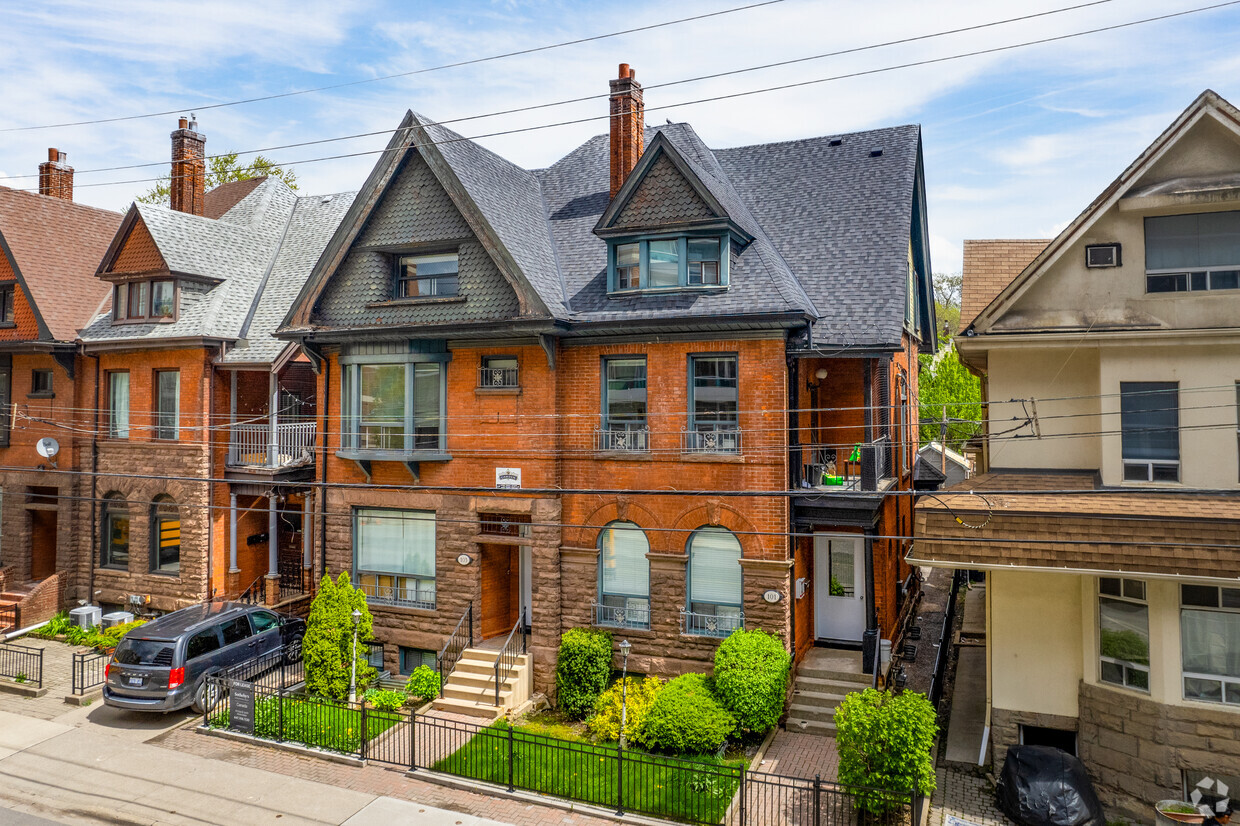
624 686
357 618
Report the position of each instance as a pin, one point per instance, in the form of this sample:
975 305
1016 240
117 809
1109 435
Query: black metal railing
460 639
711 439
10 615
860 468
280 668
508 655
615 616
255 593
292 578
405 591
497 377
22 664
89 670
625 781
711 625
945 637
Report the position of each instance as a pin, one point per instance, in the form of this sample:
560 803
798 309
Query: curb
22 689
305 751
84 699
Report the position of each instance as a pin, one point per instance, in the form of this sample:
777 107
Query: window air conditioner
1102 255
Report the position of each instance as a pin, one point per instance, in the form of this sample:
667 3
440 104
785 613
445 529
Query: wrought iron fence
89 671
497 377
622 780
617 616
22 664
292 577
707 439
281 668
711 625
405 591
623 437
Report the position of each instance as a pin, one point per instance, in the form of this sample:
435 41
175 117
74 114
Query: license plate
135 681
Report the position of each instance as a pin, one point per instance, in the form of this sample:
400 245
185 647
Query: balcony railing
402 593
497 377
624 437
711 625
251 445
860 468
711 439
615 616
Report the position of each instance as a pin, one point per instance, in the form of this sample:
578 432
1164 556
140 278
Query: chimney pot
189 168
55 176
628 126
182 123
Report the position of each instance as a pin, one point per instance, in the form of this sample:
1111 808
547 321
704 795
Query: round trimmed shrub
605 724
751 678
884 742
582 669
423 684
686 718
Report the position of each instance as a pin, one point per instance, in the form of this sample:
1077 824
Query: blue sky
1016 143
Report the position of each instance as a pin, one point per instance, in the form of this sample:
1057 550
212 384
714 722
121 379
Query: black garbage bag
1045 786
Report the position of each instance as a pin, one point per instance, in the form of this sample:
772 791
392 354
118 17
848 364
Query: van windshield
143 652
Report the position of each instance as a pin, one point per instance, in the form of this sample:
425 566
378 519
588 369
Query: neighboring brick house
635 320
49 247
1106 517
206 422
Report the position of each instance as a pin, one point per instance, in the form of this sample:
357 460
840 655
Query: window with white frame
394 556
714 586
1150 427
1123 633
1210 643
394 404
1192 253
624 577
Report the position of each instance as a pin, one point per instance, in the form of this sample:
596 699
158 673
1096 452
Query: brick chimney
56 176
628 126
189 167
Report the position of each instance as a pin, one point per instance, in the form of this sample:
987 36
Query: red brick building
656 387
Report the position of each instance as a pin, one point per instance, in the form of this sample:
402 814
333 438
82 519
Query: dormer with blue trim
668 229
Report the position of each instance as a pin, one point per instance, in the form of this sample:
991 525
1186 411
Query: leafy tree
223 169
884 743
328 645
948 287
946 384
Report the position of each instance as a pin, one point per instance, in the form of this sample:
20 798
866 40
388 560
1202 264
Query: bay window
679 262
624 577
394 556
1210 643
394 404
714 586
1123 633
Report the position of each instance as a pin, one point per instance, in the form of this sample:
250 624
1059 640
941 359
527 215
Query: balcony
498 378
626 616
833 468
254 446
711 438
623 437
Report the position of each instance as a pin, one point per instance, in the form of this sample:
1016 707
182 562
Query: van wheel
207 697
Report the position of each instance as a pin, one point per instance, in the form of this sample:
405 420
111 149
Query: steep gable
26 327
664 196
138 252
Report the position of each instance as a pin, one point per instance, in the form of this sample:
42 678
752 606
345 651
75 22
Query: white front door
839 587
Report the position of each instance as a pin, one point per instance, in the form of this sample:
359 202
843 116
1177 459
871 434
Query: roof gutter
178 342
1046 569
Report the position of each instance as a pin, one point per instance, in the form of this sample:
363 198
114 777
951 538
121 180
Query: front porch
269 544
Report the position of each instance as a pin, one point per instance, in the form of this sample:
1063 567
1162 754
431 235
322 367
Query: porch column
232 534
273 543
273 423
306 520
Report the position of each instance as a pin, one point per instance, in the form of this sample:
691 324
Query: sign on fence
241 707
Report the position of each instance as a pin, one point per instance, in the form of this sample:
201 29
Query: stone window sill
414 302
624 455
497 391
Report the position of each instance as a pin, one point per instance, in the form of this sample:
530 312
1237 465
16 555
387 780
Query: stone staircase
822 680
470 688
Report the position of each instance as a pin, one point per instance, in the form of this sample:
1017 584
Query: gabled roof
241 271
989 266
1207 104
53 246
226 196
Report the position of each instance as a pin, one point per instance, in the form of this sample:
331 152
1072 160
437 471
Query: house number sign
771 596
464 559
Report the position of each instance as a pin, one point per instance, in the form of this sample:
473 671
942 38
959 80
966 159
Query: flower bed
313 722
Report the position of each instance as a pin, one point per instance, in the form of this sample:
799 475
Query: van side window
263 621
204 642
235 630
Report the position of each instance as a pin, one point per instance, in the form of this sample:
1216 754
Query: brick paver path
371 779
965 796
57 679
796 754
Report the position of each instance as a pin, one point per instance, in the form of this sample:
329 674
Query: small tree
884 743
328 645
223 169
946 385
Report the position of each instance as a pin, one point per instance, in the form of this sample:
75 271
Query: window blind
1208 239
396 542
714 567
626 571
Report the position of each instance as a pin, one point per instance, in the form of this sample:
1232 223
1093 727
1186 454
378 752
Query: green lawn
659 786
314 722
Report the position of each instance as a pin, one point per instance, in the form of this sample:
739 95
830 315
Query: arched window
714 585
165 536
115 550
623 577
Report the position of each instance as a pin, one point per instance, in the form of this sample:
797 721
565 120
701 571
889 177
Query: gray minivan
163 665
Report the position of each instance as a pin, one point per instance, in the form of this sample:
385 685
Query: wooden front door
42 543
500 589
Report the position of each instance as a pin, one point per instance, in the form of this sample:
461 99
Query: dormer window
669 263
427 276
154 300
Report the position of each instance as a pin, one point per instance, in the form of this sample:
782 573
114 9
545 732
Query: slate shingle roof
254 257
57 244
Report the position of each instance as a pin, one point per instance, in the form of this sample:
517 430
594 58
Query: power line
713 99
586 98
473 61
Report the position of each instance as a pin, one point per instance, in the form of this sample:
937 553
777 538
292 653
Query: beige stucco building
1107 515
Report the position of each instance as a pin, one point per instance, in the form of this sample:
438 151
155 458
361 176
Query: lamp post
357 618
624 687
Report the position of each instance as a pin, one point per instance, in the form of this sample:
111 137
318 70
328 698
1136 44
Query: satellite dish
47 447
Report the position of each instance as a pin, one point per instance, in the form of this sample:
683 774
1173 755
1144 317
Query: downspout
94 492
322 503
793 450
207 433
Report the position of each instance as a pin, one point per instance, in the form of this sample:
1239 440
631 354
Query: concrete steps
822 681
470 688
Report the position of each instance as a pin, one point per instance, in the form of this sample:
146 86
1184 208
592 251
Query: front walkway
57 679
964 796
801 755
